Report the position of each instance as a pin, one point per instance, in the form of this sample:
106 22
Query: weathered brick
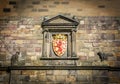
65 2
71 79
114 80
99 80
2 57
101 6
111 63
56 2
82 78
36 2
6 10
60 78
49 72
59 72
108 36
43 10
113 58
86 63
117 43
51 78
12 2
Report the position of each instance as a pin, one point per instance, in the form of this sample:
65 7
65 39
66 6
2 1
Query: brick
86 63
114 74
49 72
2 79
82 22
117 36
60 78
2 57
82 78
113 58
12 2
30 6
83 58
118 58
117 54
101 6
72 72
70 78
51 78
28 72
65 2
117 63
114 80
81 53
6 10
99 80
91 54
84 72
57 3
117 43
111 63
59 72
41 73
43 10
108 36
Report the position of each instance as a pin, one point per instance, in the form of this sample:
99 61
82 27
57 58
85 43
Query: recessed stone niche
59 38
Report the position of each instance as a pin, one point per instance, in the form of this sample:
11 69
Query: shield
59 43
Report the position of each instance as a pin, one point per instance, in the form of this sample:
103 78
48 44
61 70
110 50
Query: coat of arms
59 43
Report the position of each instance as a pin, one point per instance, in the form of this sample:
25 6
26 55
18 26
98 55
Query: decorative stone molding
66 29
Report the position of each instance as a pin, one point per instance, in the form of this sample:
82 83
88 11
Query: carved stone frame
66 28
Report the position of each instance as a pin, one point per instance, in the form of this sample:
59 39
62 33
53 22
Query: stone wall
55 7
99 31
60 77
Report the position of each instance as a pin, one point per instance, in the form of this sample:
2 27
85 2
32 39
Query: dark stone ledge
72 58
9 68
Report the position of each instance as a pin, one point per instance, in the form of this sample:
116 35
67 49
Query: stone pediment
59 42
60 20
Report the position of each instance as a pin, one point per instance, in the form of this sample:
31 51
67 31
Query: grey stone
36 2
2 78
60 78
2 57
43 10
108 36
65 2
49 72
86 63
72 72
51 78
56 2
82 78
113 58
101 80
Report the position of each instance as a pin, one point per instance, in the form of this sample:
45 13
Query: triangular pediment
60 20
